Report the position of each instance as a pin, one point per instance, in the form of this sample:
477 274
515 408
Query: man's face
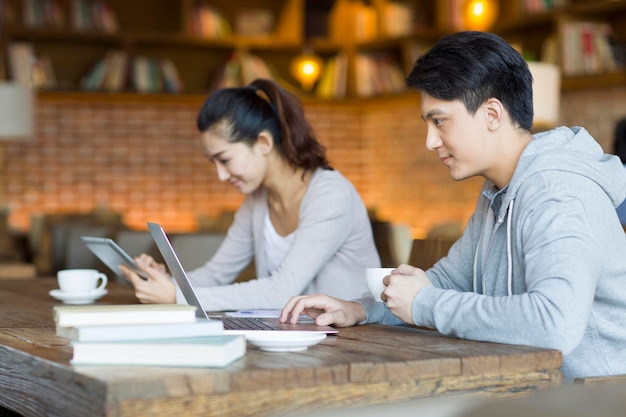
460 139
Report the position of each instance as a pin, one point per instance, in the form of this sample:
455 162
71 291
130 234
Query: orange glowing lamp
306 68
480 14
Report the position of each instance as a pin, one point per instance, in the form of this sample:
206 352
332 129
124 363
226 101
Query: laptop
232 325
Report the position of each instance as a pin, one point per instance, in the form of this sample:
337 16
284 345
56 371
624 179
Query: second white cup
81 281
375 278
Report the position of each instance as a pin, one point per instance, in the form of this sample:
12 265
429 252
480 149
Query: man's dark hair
473 67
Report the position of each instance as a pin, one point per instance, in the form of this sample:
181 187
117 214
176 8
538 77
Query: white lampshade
546 93
17 111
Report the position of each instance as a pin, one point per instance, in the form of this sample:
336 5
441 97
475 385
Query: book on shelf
155 76
378 73
207 22
353 20
333 82
172 82
108 74
210 351
397 19
364 73
254 22
324 88
141 331
253 67
365 25
93 80
227 75
123 314
586 48
43 76
241 69
42 13
21 56
93 16
340 77
538 6
117 70
142 78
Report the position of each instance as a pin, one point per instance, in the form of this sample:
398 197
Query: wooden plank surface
361 365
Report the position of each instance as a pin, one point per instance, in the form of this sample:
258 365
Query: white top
276 246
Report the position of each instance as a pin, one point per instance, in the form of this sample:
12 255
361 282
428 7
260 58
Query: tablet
112 255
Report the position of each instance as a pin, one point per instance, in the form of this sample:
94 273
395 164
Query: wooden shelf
594 81
158 28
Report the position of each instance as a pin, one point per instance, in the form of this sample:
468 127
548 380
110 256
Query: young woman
304 224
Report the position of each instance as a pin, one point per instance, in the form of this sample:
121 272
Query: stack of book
333 83
241 69
378 74
93 15
587 48
207 22
116 70
145 334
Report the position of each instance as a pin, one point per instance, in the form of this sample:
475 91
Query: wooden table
362 365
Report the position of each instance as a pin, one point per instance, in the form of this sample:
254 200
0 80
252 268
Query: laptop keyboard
245 323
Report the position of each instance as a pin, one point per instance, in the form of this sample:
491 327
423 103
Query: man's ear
264 142
494 111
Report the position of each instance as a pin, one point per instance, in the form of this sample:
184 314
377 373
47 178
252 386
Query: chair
383 239
70 250
426 252
402 241
218 224
17 270
136 242
195 249
52 235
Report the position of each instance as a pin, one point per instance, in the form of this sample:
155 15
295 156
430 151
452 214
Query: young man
542 260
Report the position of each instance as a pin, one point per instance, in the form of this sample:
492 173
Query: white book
65 316
21 56
127 332
212 351
141 74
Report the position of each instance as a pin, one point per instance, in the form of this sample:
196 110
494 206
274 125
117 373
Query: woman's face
241 165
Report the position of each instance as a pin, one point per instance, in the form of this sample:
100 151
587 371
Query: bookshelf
195 39
150 32
567 33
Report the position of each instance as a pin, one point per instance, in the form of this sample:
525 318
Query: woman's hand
324 309
402 287
158 288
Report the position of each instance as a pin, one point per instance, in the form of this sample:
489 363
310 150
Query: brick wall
144 159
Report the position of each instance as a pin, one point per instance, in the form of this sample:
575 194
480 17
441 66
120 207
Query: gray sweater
332 248
542 262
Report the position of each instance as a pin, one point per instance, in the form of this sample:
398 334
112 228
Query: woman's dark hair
244 113
473 67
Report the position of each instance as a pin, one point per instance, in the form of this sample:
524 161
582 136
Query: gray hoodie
542 262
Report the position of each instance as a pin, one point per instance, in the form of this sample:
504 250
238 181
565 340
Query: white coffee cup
375 278
81 281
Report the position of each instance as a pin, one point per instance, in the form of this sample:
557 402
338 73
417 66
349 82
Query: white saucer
78 298
284 341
